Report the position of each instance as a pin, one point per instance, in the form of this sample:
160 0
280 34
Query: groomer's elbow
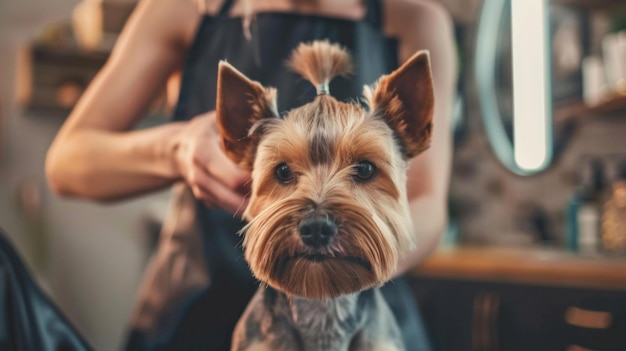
438 228
442 217
430 217
54 171
60 172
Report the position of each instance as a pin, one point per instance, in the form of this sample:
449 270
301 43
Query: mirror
518 121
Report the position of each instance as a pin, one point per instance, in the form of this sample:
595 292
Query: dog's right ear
241 103
406 100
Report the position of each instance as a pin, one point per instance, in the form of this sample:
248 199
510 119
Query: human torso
274 36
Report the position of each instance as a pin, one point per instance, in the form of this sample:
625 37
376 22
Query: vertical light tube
532 103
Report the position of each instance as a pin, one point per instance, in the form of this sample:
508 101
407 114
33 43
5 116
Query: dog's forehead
326 108
326 129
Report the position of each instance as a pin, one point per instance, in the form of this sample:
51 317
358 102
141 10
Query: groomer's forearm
106 166
430 221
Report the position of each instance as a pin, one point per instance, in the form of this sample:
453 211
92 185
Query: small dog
328 213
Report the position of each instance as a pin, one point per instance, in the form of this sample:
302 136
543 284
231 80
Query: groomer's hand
212 176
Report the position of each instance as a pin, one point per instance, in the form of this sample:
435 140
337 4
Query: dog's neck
328 324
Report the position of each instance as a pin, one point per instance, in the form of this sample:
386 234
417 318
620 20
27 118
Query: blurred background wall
95 254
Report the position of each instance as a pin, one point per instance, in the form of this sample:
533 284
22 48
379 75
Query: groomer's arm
423 25
94 156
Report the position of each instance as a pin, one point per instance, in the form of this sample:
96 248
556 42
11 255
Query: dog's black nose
317 231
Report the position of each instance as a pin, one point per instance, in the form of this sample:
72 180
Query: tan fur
320 61
322 142
406 99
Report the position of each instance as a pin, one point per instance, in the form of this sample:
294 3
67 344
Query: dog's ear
406 100
241 103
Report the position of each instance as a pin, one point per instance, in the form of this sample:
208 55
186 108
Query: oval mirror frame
532 148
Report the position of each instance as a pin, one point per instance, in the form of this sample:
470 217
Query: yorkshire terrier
328 212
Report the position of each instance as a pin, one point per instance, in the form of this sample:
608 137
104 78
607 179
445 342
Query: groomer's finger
204 196
222 196
227 172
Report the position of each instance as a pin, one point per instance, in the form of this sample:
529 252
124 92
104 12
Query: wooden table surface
527 266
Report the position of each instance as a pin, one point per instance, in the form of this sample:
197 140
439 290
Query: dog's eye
283 173
364 171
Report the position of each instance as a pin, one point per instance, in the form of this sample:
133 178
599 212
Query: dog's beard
360 256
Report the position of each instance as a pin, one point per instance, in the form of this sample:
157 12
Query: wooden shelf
566 110
578 109
525 266
52 78
592 4
615 103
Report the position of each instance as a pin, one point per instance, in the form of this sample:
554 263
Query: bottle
614 215
584 209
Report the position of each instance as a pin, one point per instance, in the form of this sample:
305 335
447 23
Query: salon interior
534 256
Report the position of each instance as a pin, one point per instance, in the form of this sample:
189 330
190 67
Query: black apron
198 283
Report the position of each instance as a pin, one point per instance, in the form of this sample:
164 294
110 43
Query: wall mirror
528 57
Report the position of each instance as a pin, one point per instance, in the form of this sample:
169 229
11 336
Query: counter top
526 266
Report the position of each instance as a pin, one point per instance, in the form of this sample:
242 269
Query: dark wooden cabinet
487 316
499 299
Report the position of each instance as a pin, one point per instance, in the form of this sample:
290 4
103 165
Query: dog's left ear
241 103
406 100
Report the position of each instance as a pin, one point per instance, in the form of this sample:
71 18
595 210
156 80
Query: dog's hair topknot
320 61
